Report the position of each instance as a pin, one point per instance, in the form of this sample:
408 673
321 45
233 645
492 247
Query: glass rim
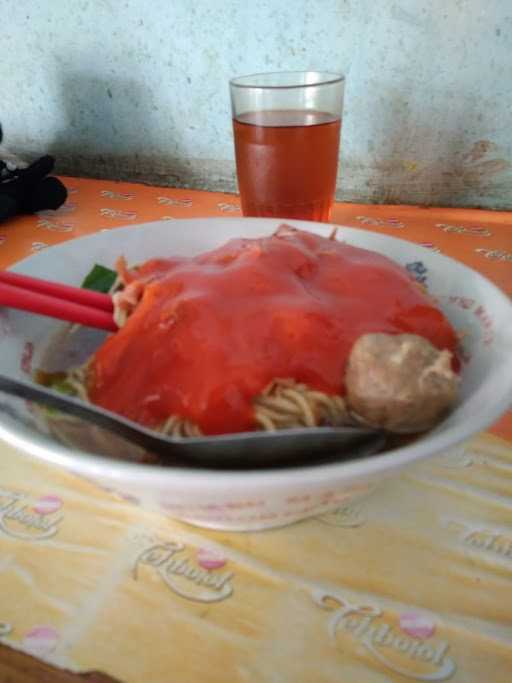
251 80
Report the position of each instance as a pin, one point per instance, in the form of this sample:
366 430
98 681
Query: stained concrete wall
138 89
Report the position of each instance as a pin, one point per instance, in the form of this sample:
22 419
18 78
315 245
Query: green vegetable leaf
63 387
100 279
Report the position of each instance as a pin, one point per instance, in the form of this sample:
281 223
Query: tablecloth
411 583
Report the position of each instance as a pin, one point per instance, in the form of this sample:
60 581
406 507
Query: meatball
400 383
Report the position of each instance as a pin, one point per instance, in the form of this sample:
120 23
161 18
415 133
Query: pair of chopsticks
53 299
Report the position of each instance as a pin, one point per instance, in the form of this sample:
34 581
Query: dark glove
27 190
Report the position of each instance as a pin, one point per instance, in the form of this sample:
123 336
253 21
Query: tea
287 162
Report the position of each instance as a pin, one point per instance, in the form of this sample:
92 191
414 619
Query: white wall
138 88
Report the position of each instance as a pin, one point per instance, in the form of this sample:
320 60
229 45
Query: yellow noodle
283 404
272 409
120 316
117 286
178 426
76 379
266 423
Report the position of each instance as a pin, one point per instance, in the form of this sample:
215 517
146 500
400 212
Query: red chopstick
56 300
86 297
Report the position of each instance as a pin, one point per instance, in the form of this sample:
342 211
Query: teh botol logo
406 649
194 578
29 520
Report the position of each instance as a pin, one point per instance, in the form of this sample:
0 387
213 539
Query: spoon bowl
234 451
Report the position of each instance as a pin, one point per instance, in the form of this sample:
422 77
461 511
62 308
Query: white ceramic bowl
266 498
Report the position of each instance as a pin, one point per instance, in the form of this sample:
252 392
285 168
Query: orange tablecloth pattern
409 584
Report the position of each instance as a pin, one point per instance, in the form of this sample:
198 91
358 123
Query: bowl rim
89 463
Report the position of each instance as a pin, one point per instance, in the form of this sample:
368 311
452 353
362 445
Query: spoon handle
73 406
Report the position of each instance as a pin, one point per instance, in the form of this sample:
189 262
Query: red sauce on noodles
210 332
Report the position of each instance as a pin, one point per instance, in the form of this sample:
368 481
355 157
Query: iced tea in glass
287 133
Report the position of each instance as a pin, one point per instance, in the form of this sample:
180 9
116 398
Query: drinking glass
287 135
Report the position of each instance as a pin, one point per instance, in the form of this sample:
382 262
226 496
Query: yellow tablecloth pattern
412 583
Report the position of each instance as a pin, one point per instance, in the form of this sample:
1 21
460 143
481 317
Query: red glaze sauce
212 331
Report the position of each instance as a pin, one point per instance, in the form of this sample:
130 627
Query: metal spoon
301 446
